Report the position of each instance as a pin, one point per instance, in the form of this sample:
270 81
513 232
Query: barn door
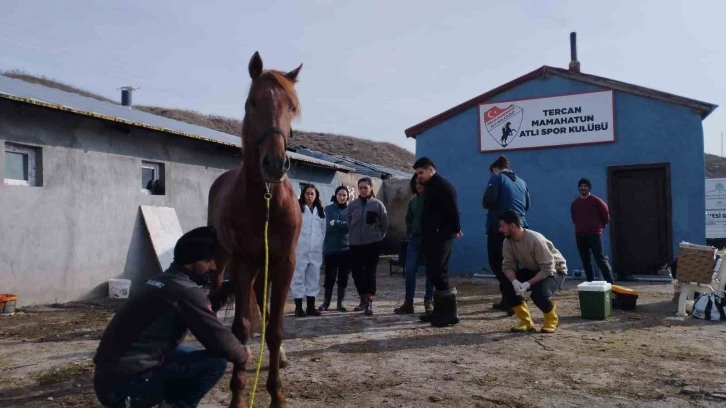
640 212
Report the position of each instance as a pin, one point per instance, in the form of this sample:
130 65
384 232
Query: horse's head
271 106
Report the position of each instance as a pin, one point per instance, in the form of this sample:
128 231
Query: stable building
76 171
642 149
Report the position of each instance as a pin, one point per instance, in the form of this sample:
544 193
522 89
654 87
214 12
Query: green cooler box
595 300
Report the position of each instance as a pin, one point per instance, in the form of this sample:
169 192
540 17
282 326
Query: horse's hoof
284 363
237 404
278 404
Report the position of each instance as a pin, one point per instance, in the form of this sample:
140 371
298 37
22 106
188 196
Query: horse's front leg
241 279
283 275
259 291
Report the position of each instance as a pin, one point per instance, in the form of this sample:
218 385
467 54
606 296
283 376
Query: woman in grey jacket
367 225
335 248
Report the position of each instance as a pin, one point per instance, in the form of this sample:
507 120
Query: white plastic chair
689 289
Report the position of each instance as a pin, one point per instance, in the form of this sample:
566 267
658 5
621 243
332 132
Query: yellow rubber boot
550 319
525 319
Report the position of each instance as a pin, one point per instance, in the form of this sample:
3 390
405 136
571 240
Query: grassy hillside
715 166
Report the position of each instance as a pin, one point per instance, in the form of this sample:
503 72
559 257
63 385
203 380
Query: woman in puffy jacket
309 252
367 226
335 248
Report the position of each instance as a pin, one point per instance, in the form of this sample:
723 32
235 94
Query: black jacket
154 321
440 216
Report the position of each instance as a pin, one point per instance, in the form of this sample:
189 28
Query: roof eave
314 164
63 108
704 108
417 129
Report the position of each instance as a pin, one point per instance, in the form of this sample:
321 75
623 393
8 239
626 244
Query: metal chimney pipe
574 63
126 95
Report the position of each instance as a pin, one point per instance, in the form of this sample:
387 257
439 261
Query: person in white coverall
309 252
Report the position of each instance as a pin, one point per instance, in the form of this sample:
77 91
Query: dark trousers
183 380
495 242
437 251
593 243
542 291
337 266
363 264
413 260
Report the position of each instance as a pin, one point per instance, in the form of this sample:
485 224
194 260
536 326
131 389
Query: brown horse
237 212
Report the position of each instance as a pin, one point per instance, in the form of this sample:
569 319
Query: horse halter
272 131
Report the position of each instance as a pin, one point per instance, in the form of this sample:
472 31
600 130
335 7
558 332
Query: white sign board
716 208
576 119
164 230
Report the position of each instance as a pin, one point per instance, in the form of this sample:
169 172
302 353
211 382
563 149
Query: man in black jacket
139 361
440 225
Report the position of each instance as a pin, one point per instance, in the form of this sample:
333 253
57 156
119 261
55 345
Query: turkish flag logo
492 114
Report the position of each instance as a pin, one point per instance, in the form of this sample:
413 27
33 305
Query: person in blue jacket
336 248
505 192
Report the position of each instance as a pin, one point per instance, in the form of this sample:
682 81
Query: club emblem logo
503 124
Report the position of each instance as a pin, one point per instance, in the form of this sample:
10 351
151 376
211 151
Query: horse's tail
211 202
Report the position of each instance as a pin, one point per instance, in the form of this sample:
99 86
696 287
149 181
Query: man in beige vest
544 270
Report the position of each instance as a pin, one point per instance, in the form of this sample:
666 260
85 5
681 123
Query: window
149 172
152 178
21 165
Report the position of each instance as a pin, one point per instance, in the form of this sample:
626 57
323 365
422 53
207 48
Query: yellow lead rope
268 196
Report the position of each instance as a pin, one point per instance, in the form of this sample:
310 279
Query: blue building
641 148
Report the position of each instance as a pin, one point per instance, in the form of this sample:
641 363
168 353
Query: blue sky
371 68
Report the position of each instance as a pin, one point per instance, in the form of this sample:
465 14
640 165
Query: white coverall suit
309 255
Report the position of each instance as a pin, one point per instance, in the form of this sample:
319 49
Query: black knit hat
332 199
585 182
196 245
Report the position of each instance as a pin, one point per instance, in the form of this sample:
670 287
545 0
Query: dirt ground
644 358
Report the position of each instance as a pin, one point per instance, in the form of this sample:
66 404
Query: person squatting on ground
367 226
440 225
309 252
590 215
140 361
543 273
336 248
505 191
413 251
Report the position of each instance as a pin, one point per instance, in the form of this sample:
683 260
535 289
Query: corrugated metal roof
318 161
358 166
35 94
